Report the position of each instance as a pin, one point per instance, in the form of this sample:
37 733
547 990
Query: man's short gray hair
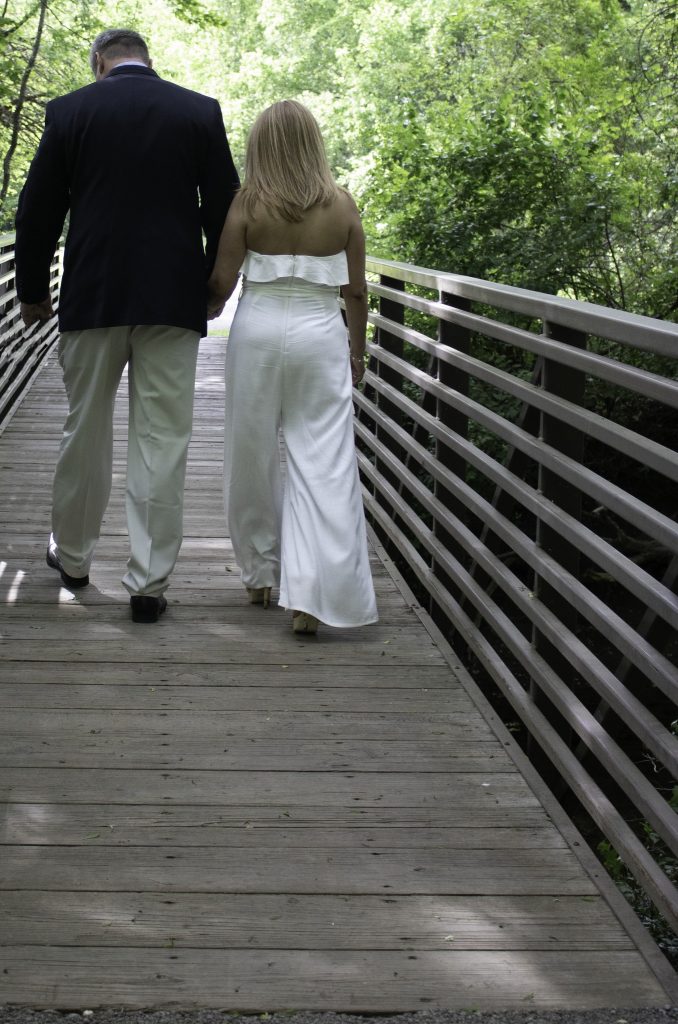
118 42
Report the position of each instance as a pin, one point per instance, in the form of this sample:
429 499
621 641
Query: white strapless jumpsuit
288 371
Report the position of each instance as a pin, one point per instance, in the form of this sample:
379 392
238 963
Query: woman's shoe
260 595
303 623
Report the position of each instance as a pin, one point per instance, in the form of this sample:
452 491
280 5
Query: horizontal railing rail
22 349
519 463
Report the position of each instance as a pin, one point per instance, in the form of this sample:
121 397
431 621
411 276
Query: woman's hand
215 307
357 368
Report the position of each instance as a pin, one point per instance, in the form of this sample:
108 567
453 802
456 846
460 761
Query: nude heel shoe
260 595
303 623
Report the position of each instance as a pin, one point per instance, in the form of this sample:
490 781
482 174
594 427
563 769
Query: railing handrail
634 329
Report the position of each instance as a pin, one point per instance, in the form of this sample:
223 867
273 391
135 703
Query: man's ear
150 63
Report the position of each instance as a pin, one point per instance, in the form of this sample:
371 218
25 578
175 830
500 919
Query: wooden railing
539 529
22 350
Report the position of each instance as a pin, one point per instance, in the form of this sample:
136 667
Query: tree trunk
20 102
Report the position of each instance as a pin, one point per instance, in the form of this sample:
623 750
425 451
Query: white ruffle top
327 270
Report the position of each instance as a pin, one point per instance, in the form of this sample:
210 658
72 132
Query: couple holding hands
143 168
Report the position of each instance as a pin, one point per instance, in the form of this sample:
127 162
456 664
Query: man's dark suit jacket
144 167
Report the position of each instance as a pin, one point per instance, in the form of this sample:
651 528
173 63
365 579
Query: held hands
36 312
214 310
215 305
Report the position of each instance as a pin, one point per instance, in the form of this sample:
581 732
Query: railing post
568 383
454 336
394 311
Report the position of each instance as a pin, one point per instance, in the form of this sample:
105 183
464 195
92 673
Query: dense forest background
531 142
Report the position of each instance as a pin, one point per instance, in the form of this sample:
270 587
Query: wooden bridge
211 812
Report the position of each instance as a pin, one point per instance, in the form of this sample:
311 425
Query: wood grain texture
282 921
269 826
366 981
210 812
308 870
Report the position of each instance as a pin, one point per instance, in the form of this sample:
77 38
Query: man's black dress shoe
147 609
70 582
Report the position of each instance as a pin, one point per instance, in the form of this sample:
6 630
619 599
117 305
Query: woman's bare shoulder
341 211
346 201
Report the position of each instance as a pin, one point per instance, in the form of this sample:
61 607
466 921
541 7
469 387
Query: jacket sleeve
41 212
219 182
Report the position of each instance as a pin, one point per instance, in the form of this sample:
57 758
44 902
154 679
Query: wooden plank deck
211 812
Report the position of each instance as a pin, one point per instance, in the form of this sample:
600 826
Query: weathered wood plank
207 710
302 697
18 675
253 725
271 921
272 870
284 789
371 981
310 827
28 823
75 622
169 749
329 647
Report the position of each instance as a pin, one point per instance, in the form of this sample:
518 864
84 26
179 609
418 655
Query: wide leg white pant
162 364
287 368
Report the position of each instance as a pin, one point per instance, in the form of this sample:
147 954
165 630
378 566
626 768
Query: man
144 167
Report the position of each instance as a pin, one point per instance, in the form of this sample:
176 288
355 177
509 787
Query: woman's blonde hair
286 166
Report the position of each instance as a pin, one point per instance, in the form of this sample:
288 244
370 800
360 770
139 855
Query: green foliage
664 936
194 13
533 167
532 142
68 23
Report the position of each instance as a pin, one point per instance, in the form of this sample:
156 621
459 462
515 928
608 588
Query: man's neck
104 66
125 63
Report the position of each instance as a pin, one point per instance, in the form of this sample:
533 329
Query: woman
298 238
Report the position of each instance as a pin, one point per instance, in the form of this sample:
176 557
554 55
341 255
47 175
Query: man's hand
34 312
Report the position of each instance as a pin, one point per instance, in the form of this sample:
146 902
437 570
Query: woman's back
323 230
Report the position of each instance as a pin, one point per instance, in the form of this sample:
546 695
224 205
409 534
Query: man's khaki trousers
161 363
